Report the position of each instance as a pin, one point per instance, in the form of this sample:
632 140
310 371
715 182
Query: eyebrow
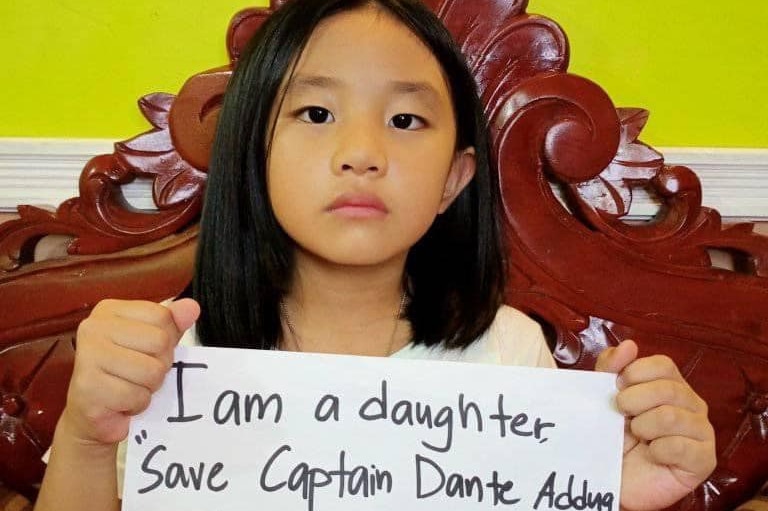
405 87
314 81
421 88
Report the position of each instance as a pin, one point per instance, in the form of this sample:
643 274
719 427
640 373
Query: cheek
289 166
419 201
424 171
289 204
284 182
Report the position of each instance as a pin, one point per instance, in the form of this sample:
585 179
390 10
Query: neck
345 309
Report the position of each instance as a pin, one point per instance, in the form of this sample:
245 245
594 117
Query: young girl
351 208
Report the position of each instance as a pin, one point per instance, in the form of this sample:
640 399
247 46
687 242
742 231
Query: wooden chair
591 277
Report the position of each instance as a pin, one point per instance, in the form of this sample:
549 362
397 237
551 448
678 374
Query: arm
124 350
80 475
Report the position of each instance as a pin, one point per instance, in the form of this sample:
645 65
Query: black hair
455 272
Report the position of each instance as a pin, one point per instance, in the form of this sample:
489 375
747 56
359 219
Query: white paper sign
235 430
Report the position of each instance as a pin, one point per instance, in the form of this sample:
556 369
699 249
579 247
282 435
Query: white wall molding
735 181
46 171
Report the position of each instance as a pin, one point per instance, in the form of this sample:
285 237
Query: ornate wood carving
590 275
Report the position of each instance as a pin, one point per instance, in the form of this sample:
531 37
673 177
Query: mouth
358 205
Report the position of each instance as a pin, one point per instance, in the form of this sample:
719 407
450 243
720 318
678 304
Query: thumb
185 312
615 359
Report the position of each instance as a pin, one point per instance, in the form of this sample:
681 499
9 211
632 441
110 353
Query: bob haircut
455 273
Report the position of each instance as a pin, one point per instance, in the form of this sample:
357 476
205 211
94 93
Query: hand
669 444
124 350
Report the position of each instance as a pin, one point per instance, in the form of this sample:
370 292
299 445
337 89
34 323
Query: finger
636 399
125 397
134 367
142 312
630 440
185 312
655 367
142 337
692 460
102 393
97 334
614 359
671 421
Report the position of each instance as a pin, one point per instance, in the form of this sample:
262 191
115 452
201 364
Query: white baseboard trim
45 172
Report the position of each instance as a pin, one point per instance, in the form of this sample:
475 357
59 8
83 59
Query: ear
461 173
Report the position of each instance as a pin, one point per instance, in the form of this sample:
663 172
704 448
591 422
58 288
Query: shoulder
512 339
509 320
515 327
516 339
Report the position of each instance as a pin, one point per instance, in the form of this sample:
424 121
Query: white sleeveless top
512 339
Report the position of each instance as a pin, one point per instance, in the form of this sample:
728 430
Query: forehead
366 46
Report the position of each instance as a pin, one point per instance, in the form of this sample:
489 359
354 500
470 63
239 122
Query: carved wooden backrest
591 277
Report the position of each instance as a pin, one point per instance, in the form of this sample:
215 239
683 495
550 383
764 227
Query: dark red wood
591 276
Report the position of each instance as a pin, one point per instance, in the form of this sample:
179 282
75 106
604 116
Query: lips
358 205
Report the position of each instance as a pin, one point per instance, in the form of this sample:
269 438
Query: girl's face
363 149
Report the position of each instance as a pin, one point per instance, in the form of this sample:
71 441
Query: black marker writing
516 423
232 407
327 408
456 485
405 412
302 478
567 499
180 366
176 474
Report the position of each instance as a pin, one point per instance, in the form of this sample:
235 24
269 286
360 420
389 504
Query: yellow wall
700 67
74 68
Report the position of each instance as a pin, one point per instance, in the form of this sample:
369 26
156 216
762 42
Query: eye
316 115
407 122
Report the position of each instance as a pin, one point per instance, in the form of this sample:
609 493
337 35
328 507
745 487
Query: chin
369 257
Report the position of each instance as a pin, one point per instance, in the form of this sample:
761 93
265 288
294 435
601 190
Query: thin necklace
297 340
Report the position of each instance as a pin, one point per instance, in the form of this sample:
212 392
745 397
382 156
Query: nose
360 150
